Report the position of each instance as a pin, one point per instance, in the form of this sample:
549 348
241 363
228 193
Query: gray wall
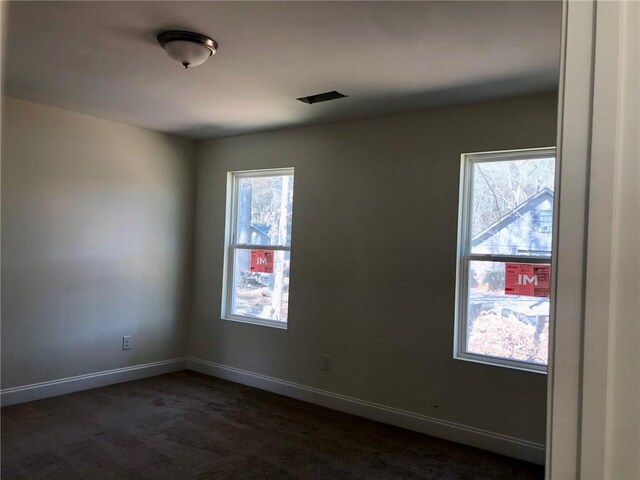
96 237
96 242
373 261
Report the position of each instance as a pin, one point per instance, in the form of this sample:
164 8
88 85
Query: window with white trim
505 227
258 246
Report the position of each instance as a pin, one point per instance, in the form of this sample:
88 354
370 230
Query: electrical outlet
326 362
126 342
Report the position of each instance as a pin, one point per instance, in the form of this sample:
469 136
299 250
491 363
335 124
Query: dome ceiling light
189 48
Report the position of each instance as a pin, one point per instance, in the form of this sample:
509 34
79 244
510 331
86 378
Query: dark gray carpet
190 426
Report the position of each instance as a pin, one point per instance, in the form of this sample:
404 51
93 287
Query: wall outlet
326 362
126 342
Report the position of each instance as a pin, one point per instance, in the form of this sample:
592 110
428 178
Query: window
504 258
545 221
258 248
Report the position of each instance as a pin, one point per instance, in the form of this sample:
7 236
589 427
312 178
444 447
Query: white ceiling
102 59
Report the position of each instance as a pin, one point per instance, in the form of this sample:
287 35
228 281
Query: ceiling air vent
321 97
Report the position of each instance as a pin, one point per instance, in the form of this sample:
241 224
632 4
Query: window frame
231 223
464 255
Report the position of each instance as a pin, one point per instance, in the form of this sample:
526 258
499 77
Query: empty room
320 240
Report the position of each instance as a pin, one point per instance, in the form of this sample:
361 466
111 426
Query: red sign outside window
262 261
527 279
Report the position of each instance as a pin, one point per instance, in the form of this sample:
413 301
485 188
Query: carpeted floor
190 426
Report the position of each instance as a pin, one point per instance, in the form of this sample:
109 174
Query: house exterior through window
258 247
505 229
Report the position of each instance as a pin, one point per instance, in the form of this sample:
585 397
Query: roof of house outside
513 215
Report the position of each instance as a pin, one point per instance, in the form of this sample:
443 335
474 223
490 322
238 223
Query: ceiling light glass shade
188 48
188 54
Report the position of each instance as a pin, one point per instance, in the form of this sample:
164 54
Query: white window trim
463 255
231 219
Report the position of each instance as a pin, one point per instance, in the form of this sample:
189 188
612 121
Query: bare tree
499 187
276 298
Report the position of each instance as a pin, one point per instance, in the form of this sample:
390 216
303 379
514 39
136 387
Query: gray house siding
526 230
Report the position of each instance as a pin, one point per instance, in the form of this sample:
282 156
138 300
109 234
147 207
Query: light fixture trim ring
184 36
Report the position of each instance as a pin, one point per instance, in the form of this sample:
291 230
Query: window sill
501 362
256 321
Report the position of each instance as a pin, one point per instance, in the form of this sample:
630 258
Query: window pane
512 207
261 288
506 326
265 206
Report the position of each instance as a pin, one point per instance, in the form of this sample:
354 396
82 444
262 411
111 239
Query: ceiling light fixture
189 48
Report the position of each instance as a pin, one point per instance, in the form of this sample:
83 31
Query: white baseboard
475 437
53 388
